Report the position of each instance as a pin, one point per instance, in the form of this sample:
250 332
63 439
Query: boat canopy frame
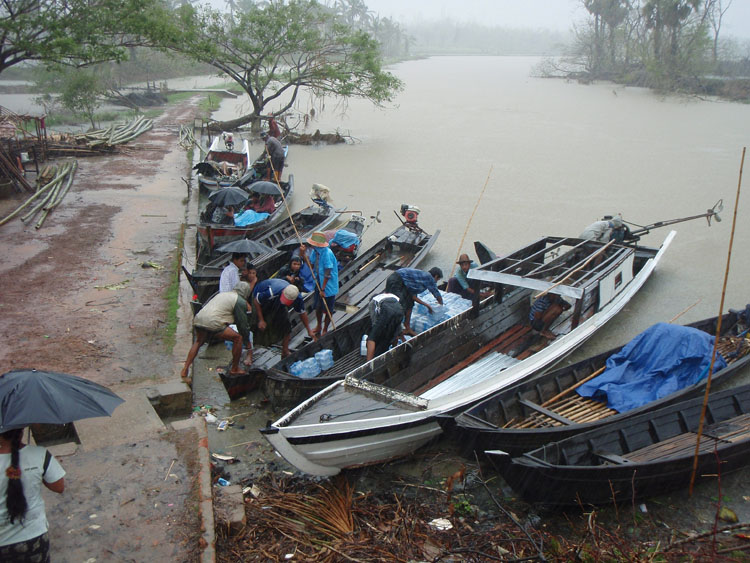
570 271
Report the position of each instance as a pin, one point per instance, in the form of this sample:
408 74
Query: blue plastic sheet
249 217
661 360
345 238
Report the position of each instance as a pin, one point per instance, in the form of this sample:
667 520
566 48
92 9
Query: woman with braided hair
23 522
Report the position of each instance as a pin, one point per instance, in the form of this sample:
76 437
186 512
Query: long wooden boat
284 389
282 237
642 456
223 165
359 280
388 407
212 235
548 408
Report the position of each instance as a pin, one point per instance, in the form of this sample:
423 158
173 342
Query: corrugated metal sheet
487 367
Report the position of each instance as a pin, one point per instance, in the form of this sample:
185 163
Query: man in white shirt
230 275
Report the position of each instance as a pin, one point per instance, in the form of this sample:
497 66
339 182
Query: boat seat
546 412
614 459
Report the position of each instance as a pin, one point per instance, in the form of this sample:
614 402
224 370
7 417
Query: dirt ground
85 294
122 212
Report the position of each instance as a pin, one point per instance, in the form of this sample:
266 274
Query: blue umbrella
28 396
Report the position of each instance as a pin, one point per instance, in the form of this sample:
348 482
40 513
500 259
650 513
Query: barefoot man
224 309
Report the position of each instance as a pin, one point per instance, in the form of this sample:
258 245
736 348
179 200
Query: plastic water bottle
363 346
324 359
296 369
310 368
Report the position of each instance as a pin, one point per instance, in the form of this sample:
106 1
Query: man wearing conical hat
325 269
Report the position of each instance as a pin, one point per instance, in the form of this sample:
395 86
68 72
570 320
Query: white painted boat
387 408
224 163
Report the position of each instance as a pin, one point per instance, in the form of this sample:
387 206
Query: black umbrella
245 246
228 196
28 396
264 188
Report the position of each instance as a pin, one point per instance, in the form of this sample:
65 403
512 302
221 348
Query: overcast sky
551 14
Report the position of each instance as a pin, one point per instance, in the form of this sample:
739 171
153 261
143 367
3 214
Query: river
555 156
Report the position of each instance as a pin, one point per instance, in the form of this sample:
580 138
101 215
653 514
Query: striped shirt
417 281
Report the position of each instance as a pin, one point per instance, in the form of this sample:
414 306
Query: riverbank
79 298
85 294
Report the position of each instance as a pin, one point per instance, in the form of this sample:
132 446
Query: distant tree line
672 45
446 36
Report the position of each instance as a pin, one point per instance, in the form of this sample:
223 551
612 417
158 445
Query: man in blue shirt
543 312
272 299
325 269
407 284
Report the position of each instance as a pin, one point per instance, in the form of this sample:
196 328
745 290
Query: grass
172 294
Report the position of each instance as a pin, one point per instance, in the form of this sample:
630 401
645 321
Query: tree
81 93
69 32
78 90
279 49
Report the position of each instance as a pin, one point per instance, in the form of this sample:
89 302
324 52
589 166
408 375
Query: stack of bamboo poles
117 133
48 196
187 140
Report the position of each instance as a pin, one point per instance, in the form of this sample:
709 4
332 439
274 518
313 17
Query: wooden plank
470 359
551 414
612 458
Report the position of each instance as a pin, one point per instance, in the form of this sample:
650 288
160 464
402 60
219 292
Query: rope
466 230
718 332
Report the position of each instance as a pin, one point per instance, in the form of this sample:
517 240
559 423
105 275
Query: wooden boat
642 456
212 235
548 409
363 278
282 237
388 407
359 281
223 165
285 389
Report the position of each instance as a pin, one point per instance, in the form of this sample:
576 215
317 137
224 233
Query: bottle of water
324 359
363 346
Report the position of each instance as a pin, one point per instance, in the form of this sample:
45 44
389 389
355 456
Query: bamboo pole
718 331
59 197
277 179
576 386
466 230
21 207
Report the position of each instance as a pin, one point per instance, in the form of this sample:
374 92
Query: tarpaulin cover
345 238
249 217
661 360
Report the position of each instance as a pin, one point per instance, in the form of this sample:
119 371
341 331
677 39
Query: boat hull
488 425
623 463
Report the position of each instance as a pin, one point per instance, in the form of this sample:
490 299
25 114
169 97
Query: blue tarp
249 217
661 360
345 238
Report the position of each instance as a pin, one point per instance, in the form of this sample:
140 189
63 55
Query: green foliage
173 292
462 507
276 50
74 32
662 44
81 93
